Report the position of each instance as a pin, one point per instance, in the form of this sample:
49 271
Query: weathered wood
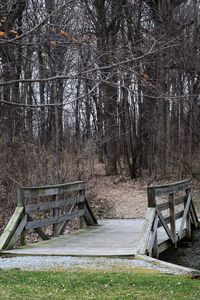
51 190
155 252
11 227
178 215
172 215
55 214
166 189
81 206
188 219
39 231
193 214
174 269
146 230
153 245
53 204
20 197
164 246
164 224
63 226
165 205
151 197
180 200
88 217
17 233
89 212
186 212
53 220
23 238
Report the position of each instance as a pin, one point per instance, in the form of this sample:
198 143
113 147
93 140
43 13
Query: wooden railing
61 203
165 215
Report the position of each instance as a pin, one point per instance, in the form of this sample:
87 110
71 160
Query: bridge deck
109 238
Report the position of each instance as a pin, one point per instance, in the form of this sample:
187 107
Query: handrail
51 190
188 216
57 202
166 189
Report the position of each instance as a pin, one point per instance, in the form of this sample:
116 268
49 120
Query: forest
98 81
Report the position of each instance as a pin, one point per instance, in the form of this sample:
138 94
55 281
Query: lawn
129 284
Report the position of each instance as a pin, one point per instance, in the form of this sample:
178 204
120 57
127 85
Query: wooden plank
63 226
163 206
166 244
172 215
11 227
39 231
164 224
88 217
193 214
186 211
151 197
172 184
20 197
53 189
53 204
178 215
180 200
81 207
90 213
188 219
171 188
146 230
17 233
55 214
53 220
153 245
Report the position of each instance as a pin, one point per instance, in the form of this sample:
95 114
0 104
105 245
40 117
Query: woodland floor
117 197
113 196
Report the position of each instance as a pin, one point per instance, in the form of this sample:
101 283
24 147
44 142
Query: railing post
188 220
55 214
151 197
152 203
81 206
172 217
21 203
20 198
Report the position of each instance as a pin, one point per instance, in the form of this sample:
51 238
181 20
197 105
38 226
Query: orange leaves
85 39
63 34
2 34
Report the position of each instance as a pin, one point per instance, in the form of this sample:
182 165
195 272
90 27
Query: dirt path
116 197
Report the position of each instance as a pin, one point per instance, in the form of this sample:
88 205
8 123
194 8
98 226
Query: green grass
16 284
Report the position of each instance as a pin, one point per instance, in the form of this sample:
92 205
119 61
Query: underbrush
27 164
16 284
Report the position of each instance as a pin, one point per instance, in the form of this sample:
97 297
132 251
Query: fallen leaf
2 34
64 34
53 44
85 38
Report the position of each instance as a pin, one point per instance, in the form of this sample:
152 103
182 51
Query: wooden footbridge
47 210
